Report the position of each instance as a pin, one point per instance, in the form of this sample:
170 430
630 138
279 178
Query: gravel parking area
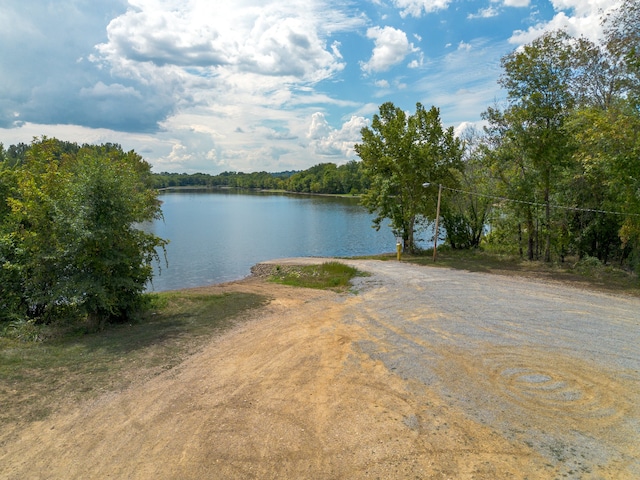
549 366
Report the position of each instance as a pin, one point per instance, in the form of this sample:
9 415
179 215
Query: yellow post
399 251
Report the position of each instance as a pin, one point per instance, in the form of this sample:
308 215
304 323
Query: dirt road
424 373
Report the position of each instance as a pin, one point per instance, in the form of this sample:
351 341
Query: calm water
218 236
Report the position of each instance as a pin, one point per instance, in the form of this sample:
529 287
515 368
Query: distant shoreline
263 190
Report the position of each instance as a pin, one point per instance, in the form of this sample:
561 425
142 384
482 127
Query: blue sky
253 85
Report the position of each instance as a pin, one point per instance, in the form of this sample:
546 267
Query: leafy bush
69 245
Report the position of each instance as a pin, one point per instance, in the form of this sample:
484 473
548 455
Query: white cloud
516 3
328 141
459 91
577 17
282 39
247 85
100 90
179 154
391 48
319 127
484 13
582 8
415 8
467 128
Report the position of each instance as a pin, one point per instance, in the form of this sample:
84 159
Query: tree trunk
520 240
547 233
532 233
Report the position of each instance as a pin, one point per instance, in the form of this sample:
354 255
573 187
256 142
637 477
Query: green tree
352 179
465 215
399 154
110 257
36 208
604 129
607 179
73 231
622 43
532 144
10 268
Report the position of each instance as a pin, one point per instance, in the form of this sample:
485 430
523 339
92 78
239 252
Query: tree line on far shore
324 178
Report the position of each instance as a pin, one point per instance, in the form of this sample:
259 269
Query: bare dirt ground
424 373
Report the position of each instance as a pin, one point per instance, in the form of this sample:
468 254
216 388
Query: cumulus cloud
319 127
179 154
456 89
577 17
265 38
466 129
197 85
100 90
129 67
325 140
415 8
43 71
391 48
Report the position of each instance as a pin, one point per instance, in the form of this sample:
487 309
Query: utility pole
435 238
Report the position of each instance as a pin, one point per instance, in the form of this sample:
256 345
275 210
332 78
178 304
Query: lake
217 236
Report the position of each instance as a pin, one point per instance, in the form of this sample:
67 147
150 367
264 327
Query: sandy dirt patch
424 373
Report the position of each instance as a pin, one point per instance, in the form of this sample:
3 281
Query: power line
537 204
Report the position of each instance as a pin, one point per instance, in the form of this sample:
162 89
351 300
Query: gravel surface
548 365
530 349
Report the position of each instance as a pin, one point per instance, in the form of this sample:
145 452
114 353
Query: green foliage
261 180
532 145
569 137
69 241
399 154
465 215
606 177
622 43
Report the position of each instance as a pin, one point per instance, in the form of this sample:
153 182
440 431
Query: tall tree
10 268
607 179
622 42
605 130
399 153
537 79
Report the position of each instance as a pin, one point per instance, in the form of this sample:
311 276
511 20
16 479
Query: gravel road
550 366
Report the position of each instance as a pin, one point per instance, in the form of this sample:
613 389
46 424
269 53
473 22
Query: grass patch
329 275
37 378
